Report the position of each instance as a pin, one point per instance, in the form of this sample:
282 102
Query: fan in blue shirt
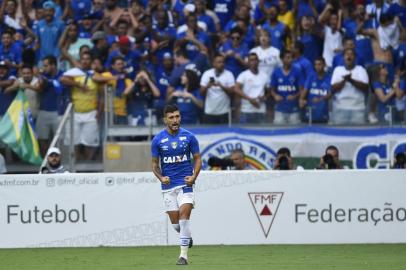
338 60
187 97
277 30
235 51
305 66
48 32
385 94
316 93
286 85
193 38
362 43
10 52
224 10
164 34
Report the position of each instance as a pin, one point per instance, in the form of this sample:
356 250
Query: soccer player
173 147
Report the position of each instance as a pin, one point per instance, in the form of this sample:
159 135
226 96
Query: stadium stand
327 62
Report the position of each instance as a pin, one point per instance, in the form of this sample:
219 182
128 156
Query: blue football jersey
175 153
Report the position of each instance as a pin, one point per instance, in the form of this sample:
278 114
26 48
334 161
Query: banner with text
252 207
363 147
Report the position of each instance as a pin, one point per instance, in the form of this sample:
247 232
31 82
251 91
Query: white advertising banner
252 207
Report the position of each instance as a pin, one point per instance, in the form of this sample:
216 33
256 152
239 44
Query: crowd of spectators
253 61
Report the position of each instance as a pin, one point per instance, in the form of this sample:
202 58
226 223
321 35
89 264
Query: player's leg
186 202
174 218
172 208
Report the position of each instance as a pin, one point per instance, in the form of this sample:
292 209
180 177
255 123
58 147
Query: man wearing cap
131 57
48 31
100 48
53 164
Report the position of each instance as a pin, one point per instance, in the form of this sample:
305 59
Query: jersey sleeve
155 147
194 145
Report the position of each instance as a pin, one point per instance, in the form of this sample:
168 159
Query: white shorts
175 198
86 129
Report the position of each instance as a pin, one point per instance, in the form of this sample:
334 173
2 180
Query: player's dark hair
170 108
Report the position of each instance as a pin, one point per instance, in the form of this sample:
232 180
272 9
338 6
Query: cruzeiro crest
174 145
257 155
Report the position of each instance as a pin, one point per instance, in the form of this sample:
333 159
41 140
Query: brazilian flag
16 130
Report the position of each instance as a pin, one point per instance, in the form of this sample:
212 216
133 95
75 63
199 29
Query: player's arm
190 180
157 171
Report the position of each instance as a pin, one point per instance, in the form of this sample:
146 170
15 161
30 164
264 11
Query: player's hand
190 180
165 180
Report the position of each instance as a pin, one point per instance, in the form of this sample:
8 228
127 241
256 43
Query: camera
283 162
329 162
400 161
212 80
223 163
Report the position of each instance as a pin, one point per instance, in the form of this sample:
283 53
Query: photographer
238 158
283 160
400 161
330 160
236 161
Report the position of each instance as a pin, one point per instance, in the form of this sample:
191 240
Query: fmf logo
257 155
376 156
266 206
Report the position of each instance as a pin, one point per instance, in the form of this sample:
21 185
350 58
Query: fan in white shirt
269 57
217 85
251 86
332 33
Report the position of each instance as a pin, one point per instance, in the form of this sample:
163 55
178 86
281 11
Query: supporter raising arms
141 93
187 97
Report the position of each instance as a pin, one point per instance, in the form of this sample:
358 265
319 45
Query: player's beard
174 127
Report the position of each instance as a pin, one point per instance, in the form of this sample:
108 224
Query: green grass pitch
269 257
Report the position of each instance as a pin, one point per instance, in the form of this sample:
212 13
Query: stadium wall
252 207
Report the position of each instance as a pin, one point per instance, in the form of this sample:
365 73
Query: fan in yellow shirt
85 96
119 86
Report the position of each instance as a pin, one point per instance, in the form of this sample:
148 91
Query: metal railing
67 118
